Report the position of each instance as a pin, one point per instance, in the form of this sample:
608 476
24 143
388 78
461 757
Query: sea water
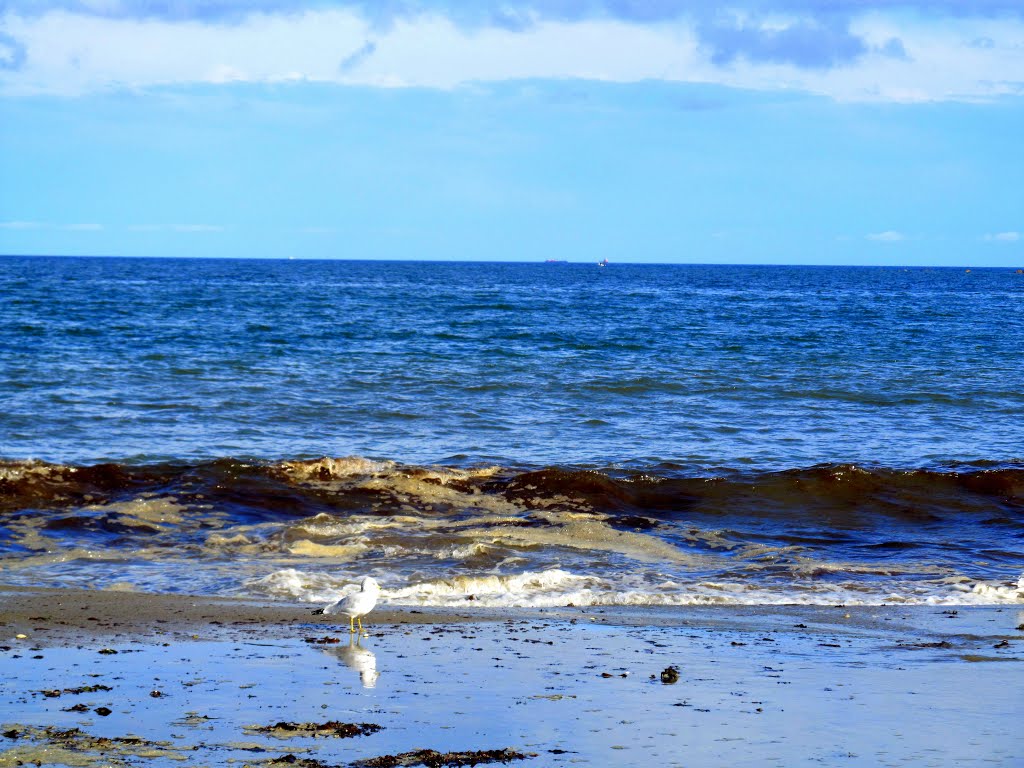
528 434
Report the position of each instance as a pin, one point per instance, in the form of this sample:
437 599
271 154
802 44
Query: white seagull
355 606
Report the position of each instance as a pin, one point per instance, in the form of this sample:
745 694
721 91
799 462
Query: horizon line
551 262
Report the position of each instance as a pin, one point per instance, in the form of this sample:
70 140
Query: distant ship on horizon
603 263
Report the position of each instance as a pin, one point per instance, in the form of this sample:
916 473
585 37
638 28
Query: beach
647 515
121 678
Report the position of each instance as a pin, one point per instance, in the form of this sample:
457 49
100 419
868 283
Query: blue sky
765 131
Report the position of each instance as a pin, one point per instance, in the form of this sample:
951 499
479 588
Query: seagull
355 606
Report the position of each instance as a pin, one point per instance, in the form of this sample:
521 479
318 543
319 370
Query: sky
757 131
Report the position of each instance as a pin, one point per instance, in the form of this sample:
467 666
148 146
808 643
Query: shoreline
58 615
126 679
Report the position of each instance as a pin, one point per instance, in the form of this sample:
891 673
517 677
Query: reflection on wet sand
362 660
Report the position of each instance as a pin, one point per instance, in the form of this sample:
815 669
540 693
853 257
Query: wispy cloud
1002 237
889 236
506 13
22 225
804 43
12 53
358 56
82 227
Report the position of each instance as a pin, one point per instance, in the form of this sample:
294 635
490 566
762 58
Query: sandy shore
109 678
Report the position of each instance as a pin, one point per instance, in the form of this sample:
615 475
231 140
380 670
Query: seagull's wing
340 606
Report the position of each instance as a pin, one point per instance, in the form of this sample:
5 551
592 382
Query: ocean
529 434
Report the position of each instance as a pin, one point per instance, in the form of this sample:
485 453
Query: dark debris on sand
331 728
52 694
68 735
298 762
434 759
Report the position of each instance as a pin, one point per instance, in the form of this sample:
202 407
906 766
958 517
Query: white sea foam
155 511
15 471
304 586
557 587
69 555
329 468
999 593
233 543
255 539
357 471
327 526
336 552
585 532
530 588
446 537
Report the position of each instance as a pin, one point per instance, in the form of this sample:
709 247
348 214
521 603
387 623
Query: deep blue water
529 433
703 366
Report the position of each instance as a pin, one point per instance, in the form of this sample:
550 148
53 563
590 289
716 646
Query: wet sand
111 678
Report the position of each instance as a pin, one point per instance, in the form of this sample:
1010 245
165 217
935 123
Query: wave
842 495
497 535
556 588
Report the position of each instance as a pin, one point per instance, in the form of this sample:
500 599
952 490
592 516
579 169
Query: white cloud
21 225
69 53
889 236
1003 237
82 227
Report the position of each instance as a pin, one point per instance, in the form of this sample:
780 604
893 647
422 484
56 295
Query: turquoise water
521 433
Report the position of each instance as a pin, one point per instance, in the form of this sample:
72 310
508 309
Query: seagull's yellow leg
351 626
365 633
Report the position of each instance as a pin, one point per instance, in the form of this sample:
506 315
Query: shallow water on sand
775 690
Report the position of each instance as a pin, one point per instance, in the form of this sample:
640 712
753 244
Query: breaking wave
558 588
455 535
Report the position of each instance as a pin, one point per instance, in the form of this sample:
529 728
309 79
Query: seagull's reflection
362 660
